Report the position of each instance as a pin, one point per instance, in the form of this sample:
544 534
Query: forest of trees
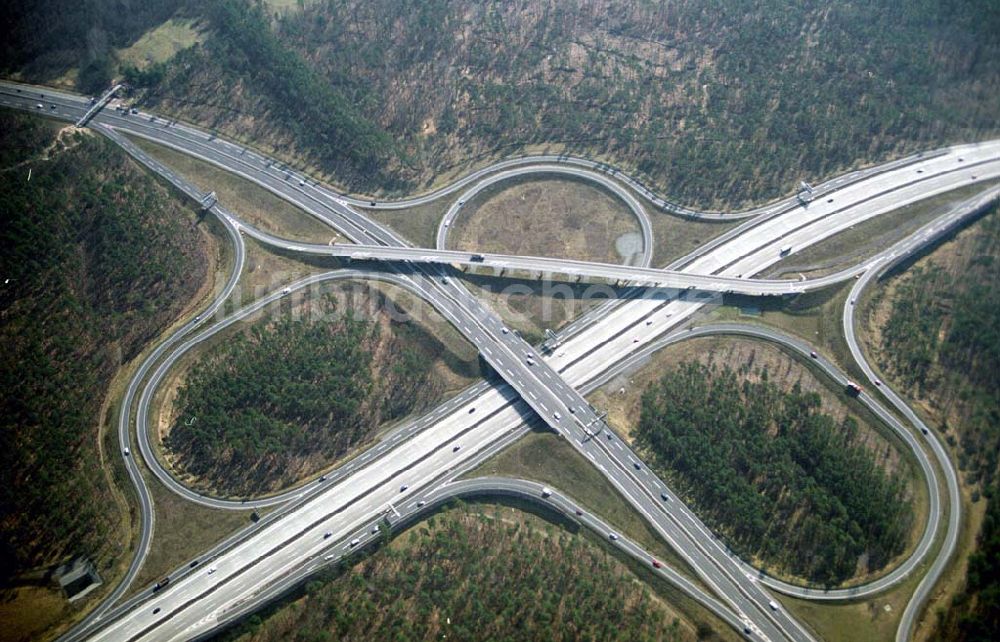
97 259
778 478
942 340
46 38
257 408
464 576
716 102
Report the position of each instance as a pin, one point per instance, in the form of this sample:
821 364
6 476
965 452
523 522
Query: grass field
553 217
249 201
160 44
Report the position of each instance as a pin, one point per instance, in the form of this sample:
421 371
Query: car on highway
456 448
579 511
812 353
355 542
403 488
557 416
664 496
322 478
39 106
656 563
126 452
613 536
504 330
211 569
286 290
472 410
327 535
156 610
546 491
530 361
773 605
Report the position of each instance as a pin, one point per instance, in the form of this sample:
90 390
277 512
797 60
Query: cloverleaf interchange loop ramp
418 462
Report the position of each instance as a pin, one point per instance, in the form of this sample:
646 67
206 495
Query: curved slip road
826 232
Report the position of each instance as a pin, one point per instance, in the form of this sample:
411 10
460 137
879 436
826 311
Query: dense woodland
942 341
294 392
97 258
717 102
45 38
779 479
463 576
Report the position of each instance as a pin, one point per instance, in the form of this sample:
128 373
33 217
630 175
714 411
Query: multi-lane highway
547 385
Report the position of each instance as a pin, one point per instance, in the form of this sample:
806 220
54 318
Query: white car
286 290
504 329
211 569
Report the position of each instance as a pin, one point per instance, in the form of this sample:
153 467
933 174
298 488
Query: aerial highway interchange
415 467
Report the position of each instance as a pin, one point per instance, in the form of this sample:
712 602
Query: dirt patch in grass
247 200
553 217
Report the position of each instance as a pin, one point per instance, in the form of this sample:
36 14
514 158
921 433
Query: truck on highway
785 250
477 258
162 583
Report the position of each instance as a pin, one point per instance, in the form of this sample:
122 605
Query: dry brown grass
552 217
